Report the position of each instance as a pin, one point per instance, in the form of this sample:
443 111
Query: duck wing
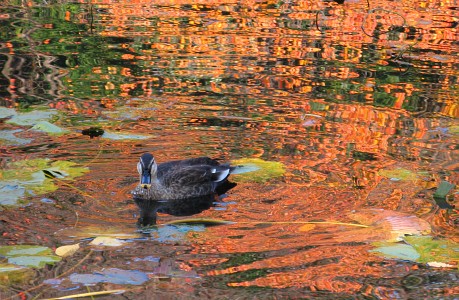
164 168
193 175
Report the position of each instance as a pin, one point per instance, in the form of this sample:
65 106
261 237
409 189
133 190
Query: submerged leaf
391 225
266 170
111 275
29 255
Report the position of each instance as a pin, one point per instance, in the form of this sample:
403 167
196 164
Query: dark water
357 101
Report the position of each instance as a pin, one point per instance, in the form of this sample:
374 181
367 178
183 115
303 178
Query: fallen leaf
263 171
307 227
111 275
106 241
67 250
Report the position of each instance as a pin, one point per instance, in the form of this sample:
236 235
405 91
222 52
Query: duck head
147 168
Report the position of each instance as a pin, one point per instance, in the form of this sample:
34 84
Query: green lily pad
124 136
399 174
8 137
443 189
29 255
49 128
454 129
14 274
397 250
434 250
263 170
7 113
26 177
31 118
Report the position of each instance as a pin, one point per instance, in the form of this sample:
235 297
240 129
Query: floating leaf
399 174
391 225
95 231
28 255
32 118
454 129
67 250
266 170
9 137
7 112
397 250
443 189
435 250
307 227
124 136
111 275
47 127
35 176
14 274
437 264
106 241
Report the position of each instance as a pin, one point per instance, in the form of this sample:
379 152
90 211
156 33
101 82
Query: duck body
179 179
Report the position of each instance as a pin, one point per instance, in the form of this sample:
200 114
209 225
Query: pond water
349 110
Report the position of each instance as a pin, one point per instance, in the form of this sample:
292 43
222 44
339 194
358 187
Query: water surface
357 101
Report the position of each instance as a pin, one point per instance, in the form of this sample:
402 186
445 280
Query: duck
179 179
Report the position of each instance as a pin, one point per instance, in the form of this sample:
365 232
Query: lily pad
49 128
31 118
265 170
14 274
29 255
9 137
397 250
111 275
7 113
124 136
399 174
26 177
435 250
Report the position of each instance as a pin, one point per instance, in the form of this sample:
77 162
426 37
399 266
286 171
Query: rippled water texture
350 110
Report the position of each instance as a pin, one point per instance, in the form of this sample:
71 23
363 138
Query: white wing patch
221 175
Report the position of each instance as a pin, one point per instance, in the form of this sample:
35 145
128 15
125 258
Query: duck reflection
148 208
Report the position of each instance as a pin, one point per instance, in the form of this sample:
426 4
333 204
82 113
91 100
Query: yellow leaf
307 227
106 241
67 250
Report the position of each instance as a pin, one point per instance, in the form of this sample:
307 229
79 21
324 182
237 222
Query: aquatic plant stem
222 222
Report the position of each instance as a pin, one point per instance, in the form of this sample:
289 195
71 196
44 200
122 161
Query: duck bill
145 180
